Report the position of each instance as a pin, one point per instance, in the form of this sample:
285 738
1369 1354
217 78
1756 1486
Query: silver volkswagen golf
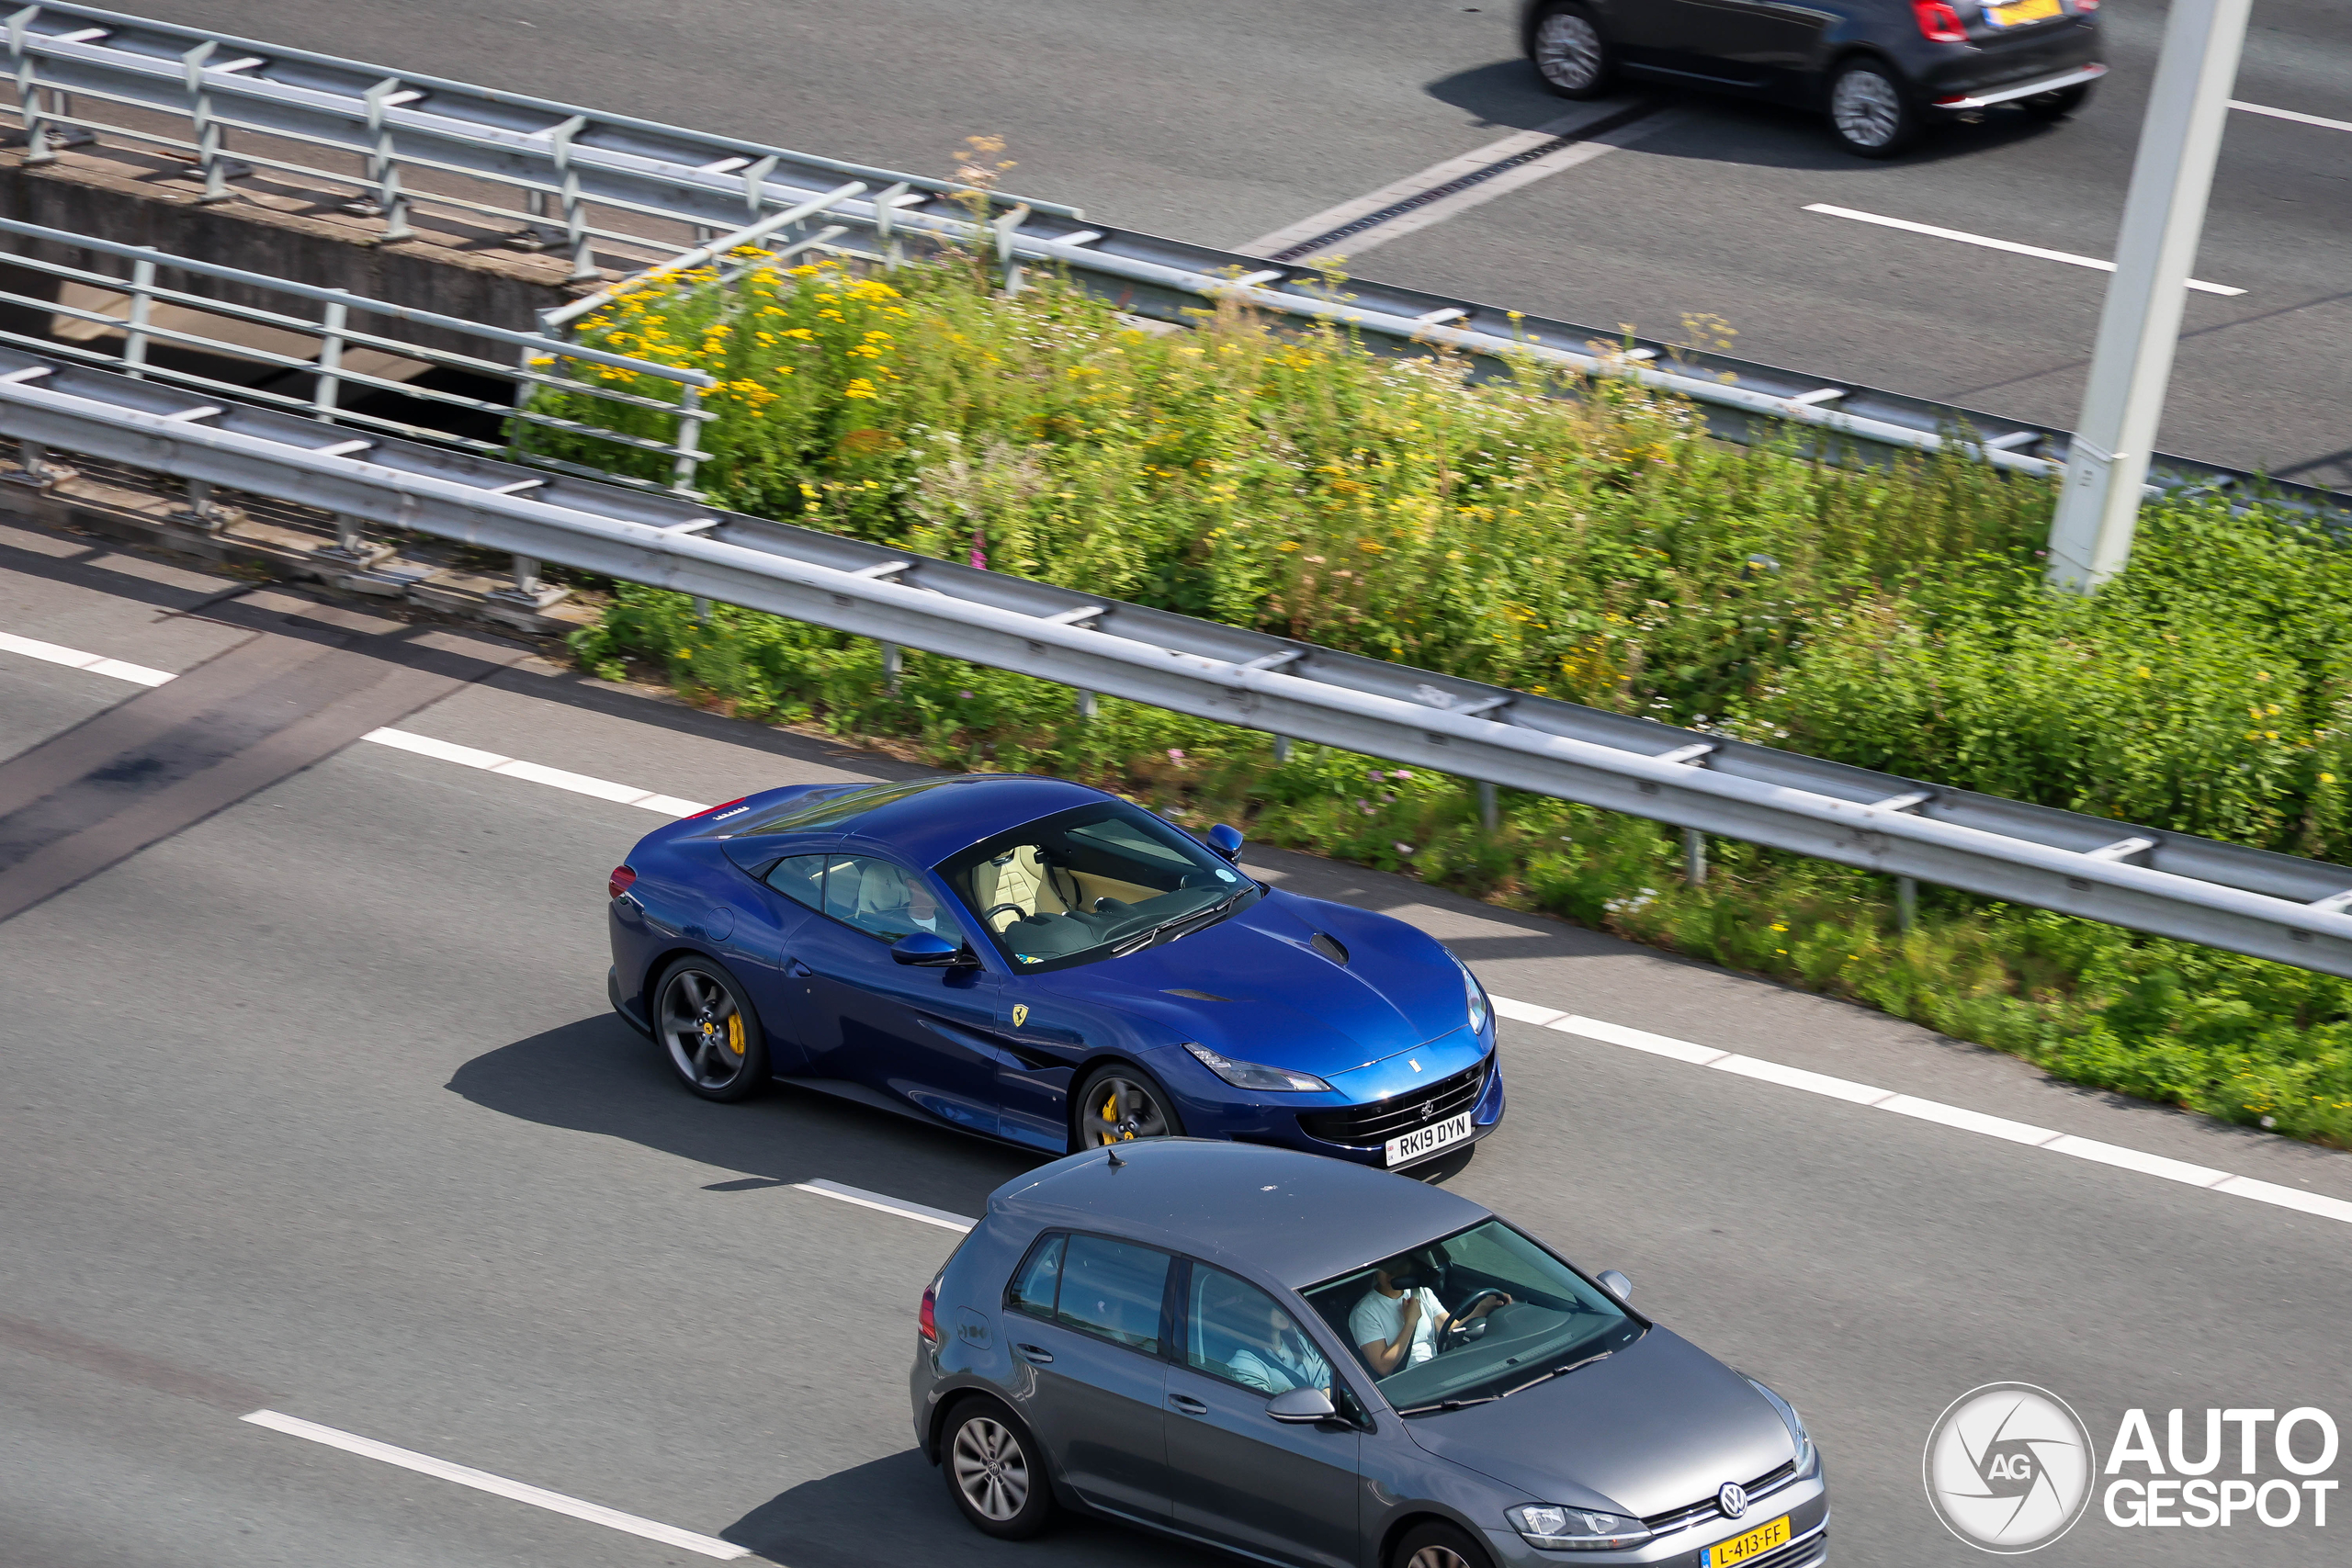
1317 1363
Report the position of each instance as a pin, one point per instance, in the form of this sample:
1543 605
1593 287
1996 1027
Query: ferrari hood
1260 987
1658 1425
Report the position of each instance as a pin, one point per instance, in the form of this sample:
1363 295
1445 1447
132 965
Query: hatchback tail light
1938 23
715 810
623 879
929 1322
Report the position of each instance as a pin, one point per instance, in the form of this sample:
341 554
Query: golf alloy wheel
995 1472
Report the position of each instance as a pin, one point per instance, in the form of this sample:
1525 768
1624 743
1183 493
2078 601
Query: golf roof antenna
1112 1158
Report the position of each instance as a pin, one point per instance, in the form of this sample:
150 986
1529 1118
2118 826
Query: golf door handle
1187 1403
1038 1354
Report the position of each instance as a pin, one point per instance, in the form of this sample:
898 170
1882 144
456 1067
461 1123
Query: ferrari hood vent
1329 946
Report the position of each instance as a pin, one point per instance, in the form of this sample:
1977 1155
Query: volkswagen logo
1732 1499
2010 1467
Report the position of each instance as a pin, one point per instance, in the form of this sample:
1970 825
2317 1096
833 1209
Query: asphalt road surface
1225 121
312 1104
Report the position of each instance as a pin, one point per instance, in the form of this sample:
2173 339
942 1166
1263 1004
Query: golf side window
1036 1282
1235 1331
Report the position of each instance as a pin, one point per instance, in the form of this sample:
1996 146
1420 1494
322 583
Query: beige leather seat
1017 877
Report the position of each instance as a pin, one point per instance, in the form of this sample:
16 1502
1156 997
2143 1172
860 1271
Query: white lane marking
2011 245
73 658
481 1479
1526 1012
2291 114
1452 169
899 1206
1876 1098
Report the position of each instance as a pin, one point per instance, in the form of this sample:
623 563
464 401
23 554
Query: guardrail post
207 511
702 609
886 213
1906 902
38 149
1489 812
34 467
216 169
1281 750
894 660
383 167
1085 703
682 472
1004 227
142 304
1694 857
333 318
576 219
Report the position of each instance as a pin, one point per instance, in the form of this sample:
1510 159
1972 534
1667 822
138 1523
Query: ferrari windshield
1092 883
1478 1315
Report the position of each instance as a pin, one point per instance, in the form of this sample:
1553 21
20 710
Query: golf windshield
1481 1315
1092 883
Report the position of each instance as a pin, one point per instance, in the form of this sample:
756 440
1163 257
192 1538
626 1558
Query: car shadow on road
896 1511
599 1075
1720 128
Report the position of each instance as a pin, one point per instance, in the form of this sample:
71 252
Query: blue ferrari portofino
1043 963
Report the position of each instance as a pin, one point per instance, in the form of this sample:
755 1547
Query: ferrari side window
885 900
801 878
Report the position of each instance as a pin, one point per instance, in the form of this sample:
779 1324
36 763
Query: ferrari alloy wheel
1570 54
1437 1545
703 1019
992 1470
1120 1104
1871 112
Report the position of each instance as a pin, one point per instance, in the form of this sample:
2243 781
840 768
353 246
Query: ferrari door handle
1043 1358
1187 1403
797 970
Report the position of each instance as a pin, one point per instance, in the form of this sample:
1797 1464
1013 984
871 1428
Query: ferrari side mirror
926 950
1227 841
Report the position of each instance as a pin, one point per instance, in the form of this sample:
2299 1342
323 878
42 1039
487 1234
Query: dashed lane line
1778 1074
483 1481
1962 235
1960 1118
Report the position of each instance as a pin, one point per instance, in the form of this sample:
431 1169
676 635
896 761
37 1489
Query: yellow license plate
2021 11
1740 1548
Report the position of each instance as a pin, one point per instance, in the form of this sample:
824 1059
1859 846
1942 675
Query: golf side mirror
1300 1407
1225 840
1617 1284
926 950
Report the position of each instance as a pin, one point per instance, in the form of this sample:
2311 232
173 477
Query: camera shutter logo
2010 1467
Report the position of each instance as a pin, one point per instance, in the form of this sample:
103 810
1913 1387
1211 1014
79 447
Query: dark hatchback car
1882 70
1320 1365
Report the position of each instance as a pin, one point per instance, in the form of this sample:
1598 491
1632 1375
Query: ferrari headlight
1480 1011
1576 1530
1254 1075
1808 1457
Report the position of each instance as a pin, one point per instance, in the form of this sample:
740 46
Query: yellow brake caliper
735 1032
1111 1118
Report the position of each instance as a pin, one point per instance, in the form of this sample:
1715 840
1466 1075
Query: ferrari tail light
929 1323
1938 23
624 878
715 810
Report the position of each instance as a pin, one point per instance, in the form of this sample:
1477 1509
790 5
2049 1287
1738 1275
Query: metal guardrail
330 376
2175 884
588 164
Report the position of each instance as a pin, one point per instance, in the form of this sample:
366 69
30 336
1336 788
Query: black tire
1871 109
1119 1103
703 1021
995 1470
1569 51
1436 1544
2058 104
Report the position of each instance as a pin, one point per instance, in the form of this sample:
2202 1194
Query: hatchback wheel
1872 112
1570 54
1120 1104
703 1018
1436 1545
996 1472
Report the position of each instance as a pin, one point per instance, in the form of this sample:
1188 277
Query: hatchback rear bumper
1986 97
